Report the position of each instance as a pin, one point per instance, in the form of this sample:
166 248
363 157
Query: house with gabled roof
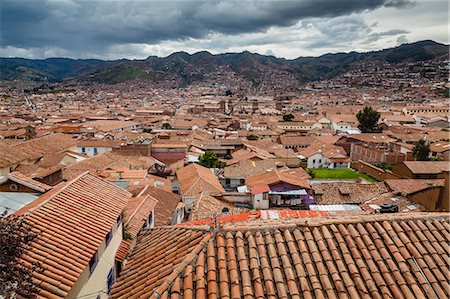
78 235
321 155
195 179
279 188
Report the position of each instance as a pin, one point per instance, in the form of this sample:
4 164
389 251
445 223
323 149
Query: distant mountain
51 69
181 68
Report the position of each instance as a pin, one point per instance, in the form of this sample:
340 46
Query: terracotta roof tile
379 256
207 206
29 182
71 224
166 204
194 179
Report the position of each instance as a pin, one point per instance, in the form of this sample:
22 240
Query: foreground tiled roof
71 221
382 256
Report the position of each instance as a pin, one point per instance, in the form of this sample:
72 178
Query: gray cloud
75 26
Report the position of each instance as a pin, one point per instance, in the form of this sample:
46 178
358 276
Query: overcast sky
137 29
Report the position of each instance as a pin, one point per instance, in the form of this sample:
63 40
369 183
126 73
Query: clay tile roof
29 182
246 168
194 179
409 186
362 256
137 211
372 137
36 148
426 167
347 193
166 205
440 147
274 177
70 220
9 156
207 206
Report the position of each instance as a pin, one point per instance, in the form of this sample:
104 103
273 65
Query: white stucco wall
89 150
90 285
316 161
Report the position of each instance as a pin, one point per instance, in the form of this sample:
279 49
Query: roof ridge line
52 195
138 207
170 279
143 190
325 220
193 184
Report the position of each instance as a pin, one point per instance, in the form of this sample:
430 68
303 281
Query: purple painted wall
283 187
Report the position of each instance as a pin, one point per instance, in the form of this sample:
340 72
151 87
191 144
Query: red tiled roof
409 186
137 212
274 177
347 193
166 205
29 182
256 215
206 206
379 256
194 179
426 167
71 221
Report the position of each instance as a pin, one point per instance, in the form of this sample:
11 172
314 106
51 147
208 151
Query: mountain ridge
184 68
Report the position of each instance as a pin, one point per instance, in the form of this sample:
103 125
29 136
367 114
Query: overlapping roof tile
379 256
71 221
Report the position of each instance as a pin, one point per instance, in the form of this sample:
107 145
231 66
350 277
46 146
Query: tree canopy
15 277
210 160
421 150
368 120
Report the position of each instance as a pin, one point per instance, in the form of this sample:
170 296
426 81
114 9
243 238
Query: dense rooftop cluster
299 202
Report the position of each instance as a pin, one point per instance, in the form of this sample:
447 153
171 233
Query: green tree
210 160
368 120
421 150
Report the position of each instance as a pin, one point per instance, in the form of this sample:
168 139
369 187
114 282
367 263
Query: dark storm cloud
95 25
373 37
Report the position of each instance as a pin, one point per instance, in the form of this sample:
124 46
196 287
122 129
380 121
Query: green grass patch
338 174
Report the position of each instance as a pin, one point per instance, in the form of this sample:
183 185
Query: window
83 150
314 161
242 181
150 219
95 151
93 262
108 237
227 182
110 279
